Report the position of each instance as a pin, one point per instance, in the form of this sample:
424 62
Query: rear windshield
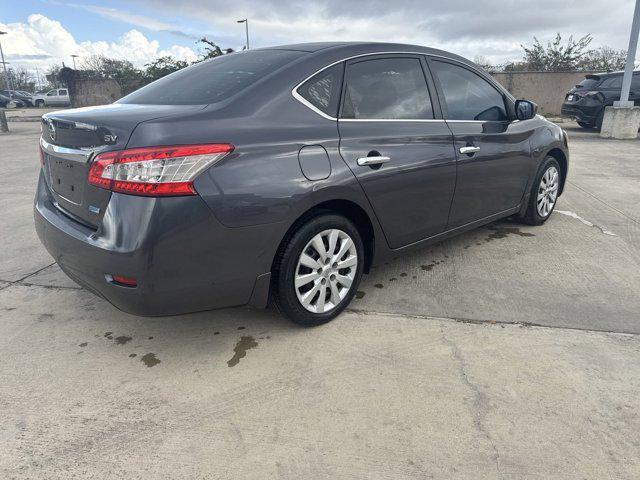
588 83
213 80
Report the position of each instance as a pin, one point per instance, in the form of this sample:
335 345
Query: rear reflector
155 171
122 280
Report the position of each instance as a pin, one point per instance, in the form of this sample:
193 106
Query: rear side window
213 80
386 88
612 82
323 90
468 96
588 82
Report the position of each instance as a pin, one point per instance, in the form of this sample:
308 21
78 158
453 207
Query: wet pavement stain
133 355
240 350
428 267
503 232
83 344
150 338
108 334
403 274
216 333
379 285
241 328
392 279
360 294
150 360
121 340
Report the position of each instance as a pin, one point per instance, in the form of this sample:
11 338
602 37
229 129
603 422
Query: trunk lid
70 140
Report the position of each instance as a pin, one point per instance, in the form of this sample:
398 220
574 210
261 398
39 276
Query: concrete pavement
434 373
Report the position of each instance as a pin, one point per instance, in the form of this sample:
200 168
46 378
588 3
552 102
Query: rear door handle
378 160
469 150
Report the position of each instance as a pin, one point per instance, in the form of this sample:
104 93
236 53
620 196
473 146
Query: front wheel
544 193
318 270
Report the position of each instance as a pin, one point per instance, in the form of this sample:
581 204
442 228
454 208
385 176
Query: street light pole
74 60
631 58
4 66
246 27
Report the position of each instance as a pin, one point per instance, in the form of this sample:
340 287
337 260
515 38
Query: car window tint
323 90
387 88
213 80
468 96
612 82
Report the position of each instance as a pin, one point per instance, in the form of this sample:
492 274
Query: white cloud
42 42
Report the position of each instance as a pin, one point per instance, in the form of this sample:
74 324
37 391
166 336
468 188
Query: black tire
585 124
283 289
599 120
532 216
39 103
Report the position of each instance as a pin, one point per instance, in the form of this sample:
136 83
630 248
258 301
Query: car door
494 158
63 96
634 94
51 97
394 140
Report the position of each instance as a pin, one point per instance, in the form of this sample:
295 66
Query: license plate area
68 178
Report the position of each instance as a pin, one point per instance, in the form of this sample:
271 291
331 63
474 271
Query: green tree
604 59
556 57
163 66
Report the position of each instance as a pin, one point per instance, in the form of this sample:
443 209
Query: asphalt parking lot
507 352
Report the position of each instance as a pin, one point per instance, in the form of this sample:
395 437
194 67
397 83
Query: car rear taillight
155 171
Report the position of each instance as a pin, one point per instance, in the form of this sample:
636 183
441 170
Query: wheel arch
348 209
561 158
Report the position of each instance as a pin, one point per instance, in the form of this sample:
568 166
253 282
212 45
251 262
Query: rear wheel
318 270
39 103
599 120
585 124
544 193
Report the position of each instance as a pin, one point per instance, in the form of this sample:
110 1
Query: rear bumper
183 259
580 114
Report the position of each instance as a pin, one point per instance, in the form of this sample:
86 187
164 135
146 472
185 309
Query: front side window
386 88
52 93
323 90
63 92
468 96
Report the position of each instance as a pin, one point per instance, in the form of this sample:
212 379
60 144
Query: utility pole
4 66
246 28
631 58
622 120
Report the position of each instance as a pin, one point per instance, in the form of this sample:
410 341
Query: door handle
469 150
377 160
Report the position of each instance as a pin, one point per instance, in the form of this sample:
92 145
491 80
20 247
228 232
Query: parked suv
587 100
285 173
58 97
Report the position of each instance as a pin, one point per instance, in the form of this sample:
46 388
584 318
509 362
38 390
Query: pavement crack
585 221
20 280
476 321
480 400
634 220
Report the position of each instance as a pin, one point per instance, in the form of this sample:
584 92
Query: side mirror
525 109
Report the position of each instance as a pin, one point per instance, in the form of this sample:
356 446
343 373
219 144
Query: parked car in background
6 102
586 101
58 97
25 98
286 173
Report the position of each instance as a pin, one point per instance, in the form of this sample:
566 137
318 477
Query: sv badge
110 138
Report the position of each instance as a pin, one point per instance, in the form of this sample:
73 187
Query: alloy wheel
325 270
548 191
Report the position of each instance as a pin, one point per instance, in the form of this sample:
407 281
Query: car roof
347 49
597 76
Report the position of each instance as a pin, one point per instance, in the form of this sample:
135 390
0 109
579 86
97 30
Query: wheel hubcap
548 191
325 271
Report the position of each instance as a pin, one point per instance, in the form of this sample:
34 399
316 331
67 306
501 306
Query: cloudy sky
44 32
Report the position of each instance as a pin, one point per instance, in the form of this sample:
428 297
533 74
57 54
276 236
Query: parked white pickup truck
55 97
